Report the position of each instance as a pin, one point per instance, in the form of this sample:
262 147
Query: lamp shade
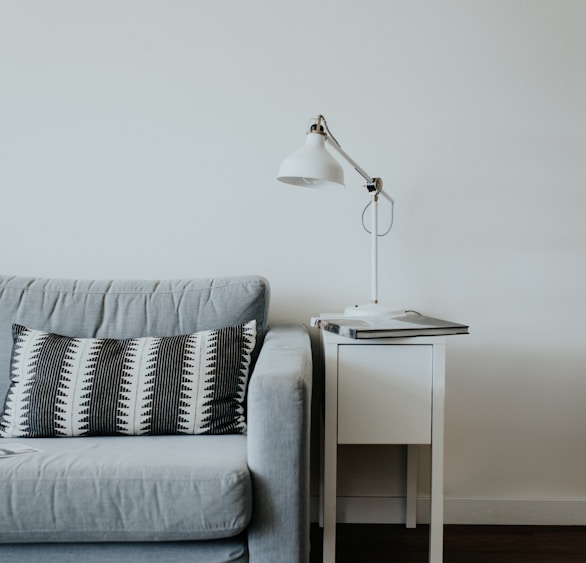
312 166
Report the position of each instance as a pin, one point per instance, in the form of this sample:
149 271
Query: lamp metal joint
374 187
317 127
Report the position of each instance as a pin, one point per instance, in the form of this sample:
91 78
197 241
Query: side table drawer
384 394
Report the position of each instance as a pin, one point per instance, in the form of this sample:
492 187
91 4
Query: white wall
141 138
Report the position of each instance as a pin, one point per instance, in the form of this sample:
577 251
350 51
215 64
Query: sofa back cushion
128 308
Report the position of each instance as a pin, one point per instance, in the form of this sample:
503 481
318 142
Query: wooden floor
383 543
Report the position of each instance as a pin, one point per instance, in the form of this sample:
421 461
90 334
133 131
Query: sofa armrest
279 406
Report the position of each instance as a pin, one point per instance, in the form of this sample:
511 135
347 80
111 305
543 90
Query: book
10 449
404 325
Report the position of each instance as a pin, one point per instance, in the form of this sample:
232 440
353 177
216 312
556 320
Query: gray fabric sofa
180 498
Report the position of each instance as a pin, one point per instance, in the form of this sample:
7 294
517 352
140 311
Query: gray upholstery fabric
231 550
127 308
125 488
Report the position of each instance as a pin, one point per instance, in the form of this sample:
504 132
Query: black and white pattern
191 384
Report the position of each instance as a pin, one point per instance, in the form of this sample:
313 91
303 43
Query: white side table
384 391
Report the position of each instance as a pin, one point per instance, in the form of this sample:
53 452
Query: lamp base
372 310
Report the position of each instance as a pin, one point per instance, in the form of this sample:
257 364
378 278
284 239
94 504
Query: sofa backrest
127 308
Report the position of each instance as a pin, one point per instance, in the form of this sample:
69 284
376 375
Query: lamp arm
372 184
349 159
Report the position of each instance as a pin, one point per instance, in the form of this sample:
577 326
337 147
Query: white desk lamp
313 166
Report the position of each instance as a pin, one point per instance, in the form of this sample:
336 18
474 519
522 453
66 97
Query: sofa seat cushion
122 488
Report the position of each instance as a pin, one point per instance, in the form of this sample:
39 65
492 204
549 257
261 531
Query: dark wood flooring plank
382 543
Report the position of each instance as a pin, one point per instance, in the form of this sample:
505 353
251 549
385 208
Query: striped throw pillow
66 386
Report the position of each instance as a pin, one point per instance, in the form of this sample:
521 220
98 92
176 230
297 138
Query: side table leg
329 509
436 527
411 502
321 472
330 454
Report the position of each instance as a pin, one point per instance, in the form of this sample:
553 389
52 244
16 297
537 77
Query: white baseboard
482 511
531 512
